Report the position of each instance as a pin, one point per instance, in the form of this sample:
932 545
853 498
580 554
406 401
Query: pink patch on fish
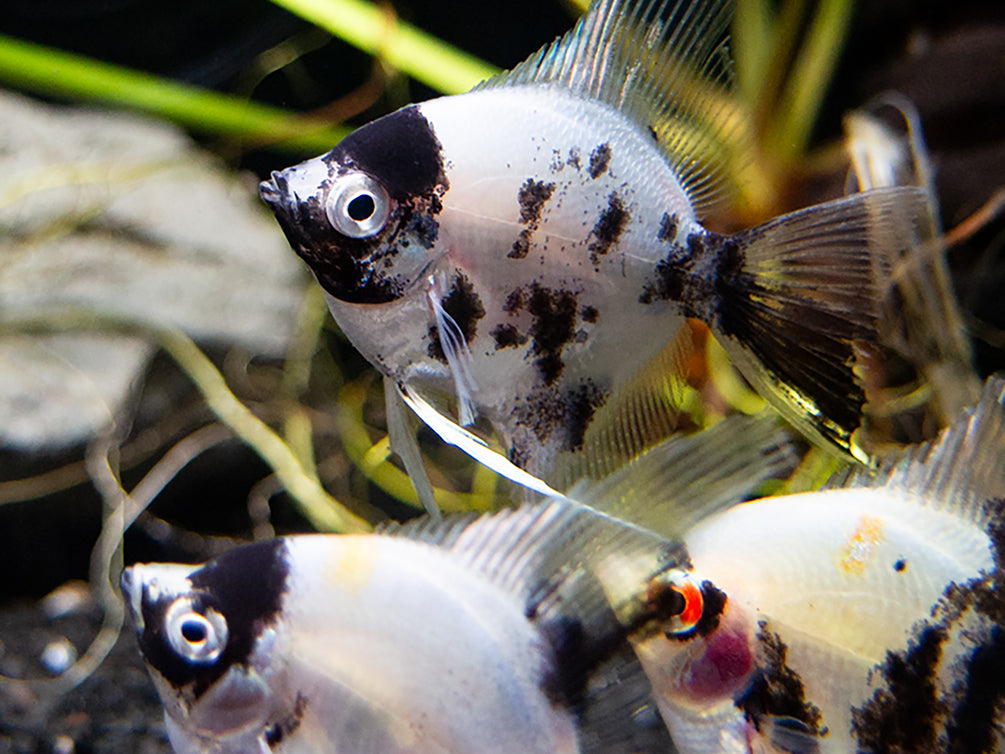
722 669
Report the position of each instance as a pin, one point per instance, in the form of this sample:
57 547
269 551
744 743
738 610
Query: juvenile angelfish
487 636
868 617
522 252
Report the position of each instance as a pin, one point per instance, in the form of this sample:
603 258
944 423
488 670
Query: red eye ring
693 603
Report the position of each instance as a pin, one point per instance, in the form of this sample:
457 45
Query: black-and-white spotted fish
868 617
522 252
467 635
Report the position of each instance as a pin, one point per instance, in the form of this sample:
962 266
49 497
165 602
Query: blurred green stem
54 72
378 32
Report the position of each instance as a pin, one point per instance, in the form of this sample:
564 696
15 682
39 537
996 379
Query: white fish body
867 618
522 252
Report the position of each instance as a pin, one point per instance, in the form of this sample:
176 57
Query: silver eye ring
198 637
357 206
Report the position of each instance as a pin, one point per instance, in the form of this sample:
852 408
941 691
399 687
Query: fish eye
679 602
196 636
357 206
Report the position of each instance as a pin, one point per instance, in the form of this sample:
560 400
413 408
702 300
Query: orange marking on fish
855 555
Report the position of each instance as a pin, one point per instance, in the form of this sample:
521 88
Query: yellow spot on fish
855 555
353 562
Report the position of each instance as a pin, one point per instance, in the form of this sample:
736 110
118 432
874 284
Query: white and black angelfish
866 617
467 635
522 252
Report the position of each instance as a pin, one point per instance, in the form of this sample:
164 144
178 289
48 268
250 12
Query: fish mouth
271 191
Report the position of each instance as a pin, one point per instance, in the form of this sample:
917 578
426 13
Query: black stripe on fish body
902 716
914 710
246 586
776 690
975 720
465 308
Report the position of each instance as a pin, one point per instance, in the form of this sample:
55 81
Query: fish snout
271 190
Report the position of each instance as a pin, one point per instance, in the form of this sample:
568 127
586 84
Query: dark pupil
193 631
361 207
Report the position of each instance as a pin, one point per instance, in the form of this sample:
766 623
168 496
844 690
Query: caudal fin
799 302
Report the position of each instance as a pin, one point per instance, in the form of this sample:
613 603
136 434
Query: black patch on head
246 586
554 325
902 716
900 565
589 314
668 228
777 690
400 150
713 602
507 336
600 159
532 197
608 228
465 308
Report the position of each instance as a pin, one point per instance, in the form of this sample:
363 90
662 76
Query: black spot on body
465 308
246 586
547 411
521 246
668 228
900 565
573 158
507 336
583 402
600 159
777 691
608 228
902 716
589 314
532 197
554 326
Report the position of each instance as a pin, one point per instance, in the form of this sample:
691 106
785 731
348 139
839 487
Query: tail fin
799 302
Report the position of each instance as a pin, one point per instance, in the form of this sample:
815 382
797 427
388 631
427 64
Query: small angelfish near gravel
519 258
866 617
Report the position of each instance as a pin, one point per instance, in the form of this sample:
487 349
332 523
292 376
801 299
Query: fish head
208 636
364 215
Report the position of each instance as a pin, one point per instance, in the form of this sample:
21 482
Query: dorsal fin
962 470
663 63
545 554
